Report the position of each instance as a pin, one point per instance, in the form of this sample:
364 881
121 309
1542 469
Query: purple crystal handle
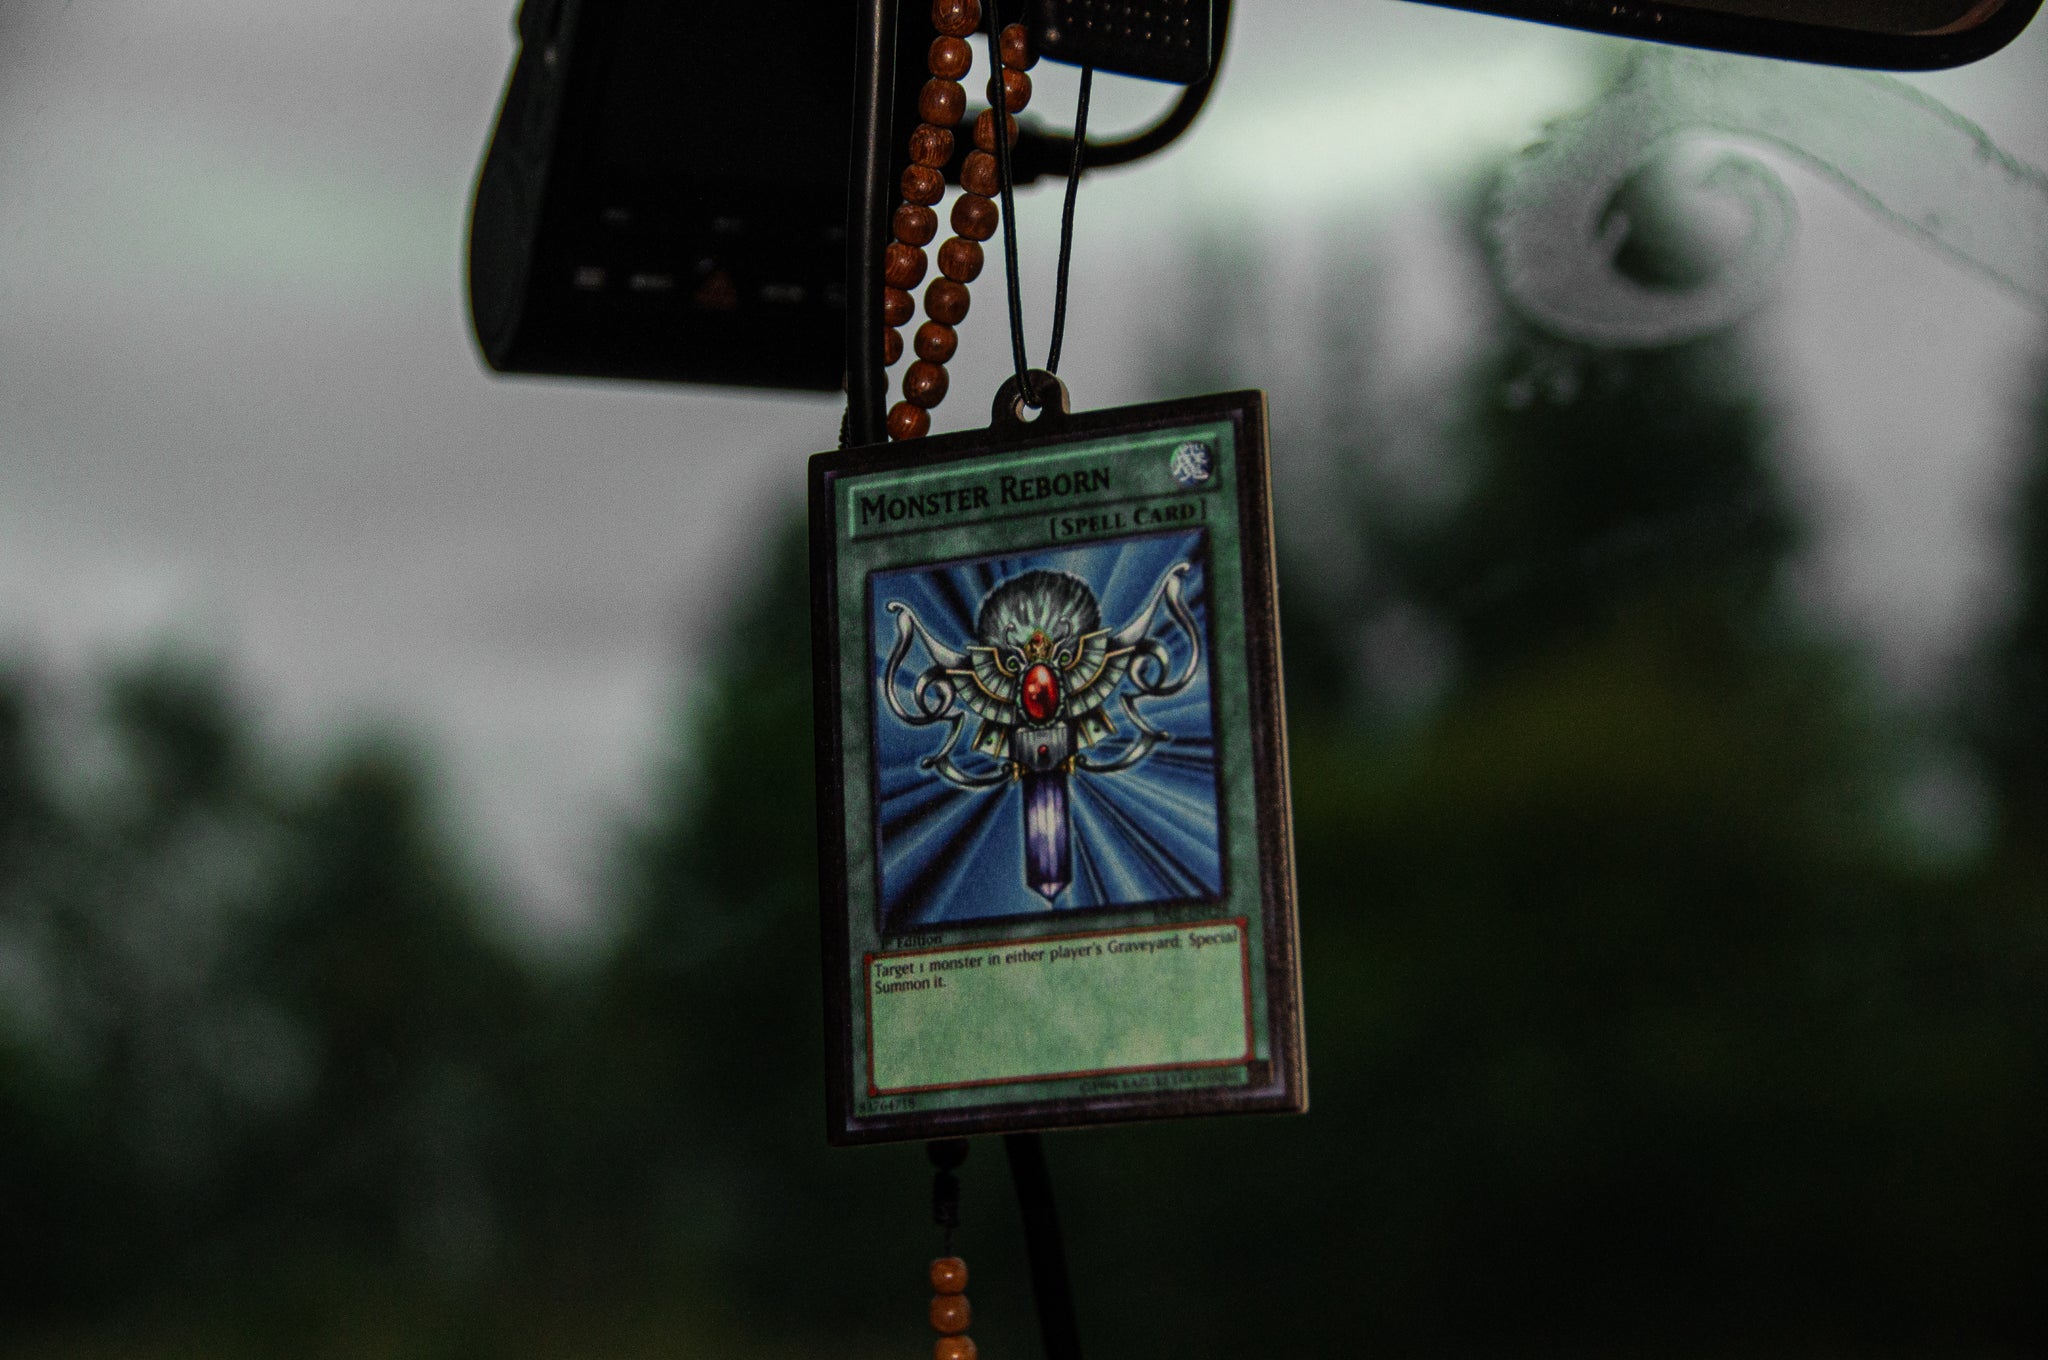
1048 854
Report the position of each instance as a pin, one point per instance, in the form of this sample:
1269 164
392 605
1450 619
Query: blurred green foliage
252 1020
1642 1016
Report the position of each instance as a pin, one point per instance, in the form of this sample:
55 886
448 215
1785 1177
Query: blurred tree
1604 485
248 1021
40 1175
1998 953
1626 1002
412 1024
1627 1018
122 904
2010 711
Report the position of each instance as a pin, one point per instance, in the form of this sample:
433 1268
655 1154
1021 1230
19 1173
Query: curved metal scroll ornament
1039 675
1557 226
933 695
1144 651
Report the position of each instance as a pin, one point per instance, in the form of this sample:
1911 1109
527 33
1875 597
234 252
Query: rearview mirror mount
1899 35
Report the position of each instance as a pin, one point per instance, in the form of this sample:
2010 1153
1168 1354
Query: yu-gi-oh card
1057 869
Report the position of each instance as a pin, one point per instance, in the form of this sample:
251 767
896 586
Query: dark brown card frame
1277 1085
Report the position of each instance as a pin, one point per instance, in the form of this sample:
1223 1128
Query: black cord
999 114
1059 290
946 1155
1051 1288
1043 153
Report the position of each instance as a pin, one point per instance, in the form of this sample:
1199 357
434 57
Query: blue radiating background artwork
1143 835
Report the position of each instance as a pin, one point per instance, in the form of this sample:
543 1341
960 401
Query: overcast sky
239 403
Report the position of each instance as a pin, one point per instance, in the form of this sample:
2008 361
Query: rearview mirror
1894 34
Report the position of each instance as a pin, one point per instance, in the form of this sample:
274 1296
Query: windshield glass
408 936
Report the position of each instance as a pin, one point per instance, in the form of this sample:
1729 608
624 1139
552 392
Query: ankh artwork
1044 740
1055 854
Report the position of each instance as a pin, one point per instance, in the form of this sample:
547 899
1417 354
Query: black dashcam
664 195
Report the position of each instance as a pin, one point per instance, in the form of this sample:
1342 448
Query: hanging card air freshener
1057 870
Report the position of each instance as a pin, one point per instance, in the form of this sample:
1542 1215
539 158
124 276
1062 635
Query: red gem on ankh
1041 692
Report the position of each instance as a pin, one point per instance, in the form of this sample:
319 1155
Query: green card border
1278 1084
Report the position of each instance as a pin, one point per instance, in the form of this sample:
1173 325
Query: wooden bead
949 1275
950 1313
924 384
956 18
978 174
975 216
985 129
960 259
1016 91
936 341
908 422
931 146
950 58
915 224
922 184
896 305
892 346
941 102
955 1348
946 302
902 265
1014 43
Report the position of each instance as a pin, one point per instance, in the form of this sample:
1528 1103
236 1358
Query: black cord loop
999 103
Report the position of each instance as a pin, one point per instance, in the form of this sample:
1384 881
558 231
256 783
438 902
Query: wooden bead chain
949 1311
941 104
